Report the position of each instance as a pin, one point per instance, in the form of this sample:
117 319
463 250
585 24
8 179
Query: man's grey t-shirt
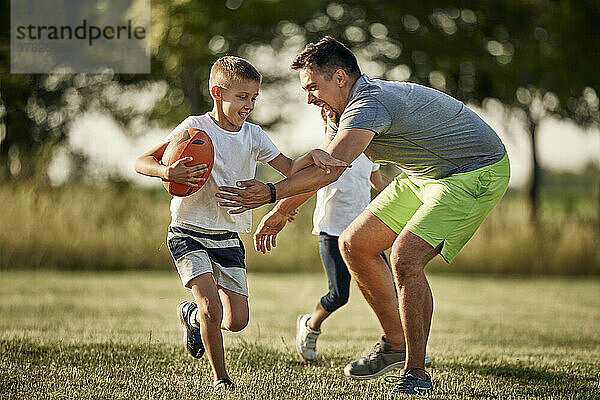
421 130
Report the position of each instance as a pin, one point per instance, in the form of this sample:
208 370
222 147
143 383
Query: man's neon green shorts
447 210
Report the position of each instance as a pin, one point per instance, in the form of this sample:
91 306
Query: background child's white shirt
236 154
343 200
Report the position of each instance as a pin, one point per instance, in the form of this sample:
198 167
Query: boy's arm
320 158
148 164
274 221
378 180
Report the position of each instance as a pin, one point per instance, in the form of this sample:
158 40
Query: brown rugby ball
193 143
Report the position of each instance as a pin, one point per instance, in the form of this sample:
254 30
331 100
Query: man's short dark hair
327 56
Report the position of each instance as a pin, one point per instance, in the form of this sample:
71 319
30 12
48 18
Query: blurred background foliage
538 58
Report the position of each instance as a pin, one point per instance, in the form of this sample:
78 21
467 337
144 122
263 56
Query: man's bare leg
410 254
361 245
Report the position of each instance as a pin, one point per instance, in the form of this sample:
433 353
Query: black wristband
273 192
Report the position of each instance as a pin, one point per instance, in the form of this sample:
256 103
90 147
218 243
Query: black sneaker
223 384
192 339
409 382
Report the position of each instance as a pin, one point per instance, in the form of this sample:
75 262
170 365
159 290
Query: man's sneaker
409 382
192 339
306 338
223 384
381 360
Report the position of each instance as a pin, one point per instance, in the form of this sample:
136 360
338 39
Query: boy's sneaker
381 360
223 384
192 339
409 382
306 338
427 361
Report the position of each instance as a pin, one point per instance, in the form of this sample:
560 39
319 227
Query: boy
203 238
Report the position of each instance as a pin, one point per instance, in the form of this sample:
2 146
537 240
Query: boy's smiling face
234 103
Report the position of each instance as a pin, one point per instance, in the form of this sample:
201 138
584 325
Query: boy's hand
325 161
265 236
181 173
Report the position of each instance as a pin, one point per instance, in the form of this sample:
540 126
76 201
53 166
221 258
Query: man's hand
265 236
325 161
248 195
292 216
181 173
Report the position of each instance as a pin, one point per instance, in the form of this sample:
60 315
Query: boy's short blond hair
230 68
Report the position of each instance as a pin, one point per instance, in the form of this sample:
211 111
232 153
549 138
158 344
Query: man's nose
310 98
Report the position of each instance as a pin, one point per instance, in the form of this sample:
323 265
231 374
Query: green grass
115 335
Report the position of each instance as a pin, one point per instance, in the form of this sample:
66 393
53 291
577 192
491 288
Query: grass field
116 228
116 336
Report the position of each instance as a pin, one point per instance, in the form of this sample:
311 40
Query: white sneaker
306 338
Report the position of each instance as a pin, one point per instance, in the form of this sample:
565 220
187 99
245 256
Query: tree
535 56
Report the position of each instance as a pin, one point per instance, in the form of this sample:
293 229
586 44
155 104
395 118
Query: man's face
323 92
238 102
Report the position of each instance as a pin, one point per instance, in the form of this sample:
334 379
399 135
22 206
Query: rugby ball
193 143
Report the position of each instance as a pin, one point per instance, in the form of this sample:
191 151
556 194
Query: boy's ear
215 92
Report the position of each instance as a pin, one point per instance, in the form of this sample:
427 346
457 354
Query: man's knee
352 246
406 269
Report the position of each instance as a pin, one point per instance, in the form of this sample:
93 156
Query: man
454 171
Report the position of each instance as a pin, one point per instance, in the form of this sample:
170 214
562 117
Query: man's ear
215 92
340 77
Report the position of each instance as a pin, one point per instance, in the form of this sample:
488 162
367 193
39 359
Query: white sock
192 319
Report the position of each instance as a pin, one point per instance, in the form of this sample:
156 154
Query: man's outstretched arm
346 146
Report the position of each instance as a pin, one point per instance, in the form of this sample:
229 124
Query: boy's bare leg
210 317
235 310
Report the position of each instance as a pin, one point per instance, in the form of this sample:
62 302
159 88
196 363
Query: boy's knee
210 312
236 324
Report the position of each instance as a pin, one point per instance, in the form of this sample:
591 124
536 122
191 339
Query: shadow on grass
581 381
526 374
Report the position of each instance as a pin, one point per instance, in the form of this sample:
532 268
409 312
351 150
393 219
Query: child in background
203 237
337 205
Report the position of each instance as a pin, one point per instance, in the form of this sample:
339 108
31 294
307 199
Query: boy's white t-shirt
343 200
236 154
